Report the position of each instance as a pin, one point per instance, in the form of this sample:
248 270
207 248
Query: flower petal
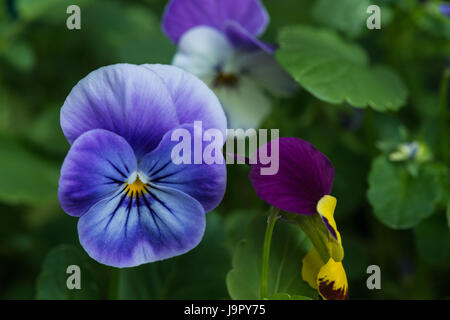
305 175
126 99
267 73
311 264
97 165
332 281
126 231
182 15
325 208
244 40
445 9
245 105
193 100
202 51
204 182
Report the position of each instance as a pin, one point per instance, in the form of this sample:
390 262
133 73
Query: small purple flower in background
217 41
135 205
445 9
302 186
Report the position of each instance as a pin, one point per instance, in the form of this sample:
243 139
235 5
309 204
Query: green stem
266 253
312 226
113 284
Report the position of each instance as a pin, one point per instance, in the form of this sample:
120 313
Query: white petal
246 105
265 70
201 51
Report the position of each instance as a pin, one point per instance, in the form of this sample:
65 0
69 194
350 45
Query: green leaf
289 246
399 200
52 281
26 178
433 239
337 71
199 274
348 16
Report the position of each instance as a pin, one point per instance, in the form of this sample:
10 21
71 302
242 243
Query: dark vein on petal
113 180
128 215
151 214
153 167
166 176
160 201
115 210
117 169
171 182
160 169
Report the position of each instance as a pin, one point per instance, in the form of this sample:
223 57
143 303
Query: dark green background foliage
363 93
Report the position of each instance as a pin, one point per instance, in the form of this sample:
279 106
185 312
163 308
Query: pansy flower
302 188
218 42
135 205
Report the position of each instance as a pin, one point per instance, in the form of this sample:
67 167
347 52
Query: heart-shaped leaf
337 71
399 199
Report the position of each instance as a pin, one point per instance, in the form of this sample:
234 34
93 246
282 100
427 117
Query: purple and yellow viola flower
134 204
302 188
218 42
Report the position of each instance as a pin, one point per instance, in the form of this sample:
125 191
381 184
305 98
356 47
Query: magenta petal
182 15
304 176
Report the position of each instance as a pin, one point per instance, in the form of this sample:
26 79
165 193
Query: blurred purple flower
218 42
135 205
445 9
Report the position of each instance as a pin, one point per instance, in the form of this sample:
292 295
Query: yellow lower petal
311 265
332 281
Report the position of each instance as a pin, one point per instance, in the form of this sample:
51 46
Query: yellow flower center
136 188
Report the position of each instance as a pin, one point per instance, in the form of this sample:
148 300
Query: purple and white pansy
134 204
218 42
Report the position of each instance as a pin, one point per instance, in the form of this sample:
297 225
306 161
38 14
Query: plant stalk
266 253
